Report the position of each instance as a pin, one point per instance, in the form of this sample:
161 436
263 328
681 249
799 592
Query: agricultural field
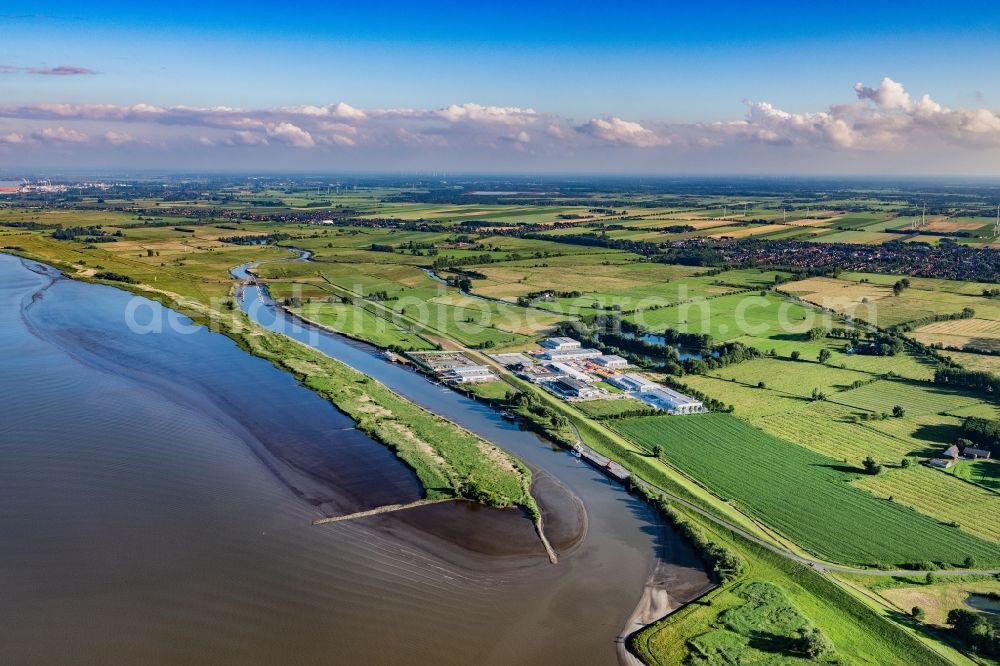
940 597
830 430
628 285
978 334
762 473
855 236
793 378
972 361
764 316
873 300
415 301
940 495
357 322
917 398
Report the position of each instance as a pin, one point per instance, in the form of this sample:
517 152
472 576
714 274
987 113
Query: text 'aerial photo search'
478 334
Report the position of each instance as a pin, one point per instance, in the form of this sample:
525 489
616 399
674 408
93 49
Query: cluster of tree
966 313
723 561
442 263
545 295
979 381
720 356
381 295
91 234
677 229
984 433
530 403
377 247
880 344
114 277
900 285
991 293
460 282
974 630
269 239
871 466
632 414
816 333
814 644
33 226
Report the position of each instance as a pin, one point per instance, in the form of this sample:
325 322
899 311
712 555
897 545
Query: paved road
621 474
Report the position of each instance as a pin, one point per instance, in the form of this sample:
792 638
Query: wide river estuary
157 491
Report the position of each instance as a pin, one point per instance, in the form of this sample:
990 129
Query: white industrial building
567 387
570 354
657 396
560 343
471 374
570 371
611 362
632 383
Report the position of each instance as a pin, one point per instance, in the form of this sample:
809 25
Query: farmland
763 316
458 273
359 323
761 472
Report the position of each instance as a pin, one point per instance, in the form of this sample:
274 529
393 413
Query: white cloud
293 135
245 138
889 94
117 138
616 130
886 117
477 113
60 135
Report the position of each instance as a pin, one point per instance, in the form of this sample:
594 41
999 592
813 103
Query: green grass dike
775 611
449 460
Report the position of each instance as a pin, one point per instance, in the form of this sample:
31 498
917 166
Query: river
158 491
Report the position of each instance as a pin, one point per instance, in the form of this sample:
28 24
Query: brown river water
157 492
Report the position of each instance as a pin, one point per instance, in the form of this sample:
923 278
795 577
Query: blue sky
665 67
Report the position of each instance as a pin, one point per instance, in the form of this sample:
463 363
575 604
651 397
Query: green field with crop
763 316
357 322
803 494
915 397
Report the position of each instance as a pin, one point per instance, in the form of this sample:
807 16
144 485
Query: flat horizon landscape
651 334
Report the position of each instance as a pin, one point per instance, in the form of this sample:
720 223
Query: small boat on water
508 415
388 355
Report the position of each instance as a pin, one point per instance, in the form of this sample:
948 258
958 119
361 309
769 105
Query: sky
662 88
